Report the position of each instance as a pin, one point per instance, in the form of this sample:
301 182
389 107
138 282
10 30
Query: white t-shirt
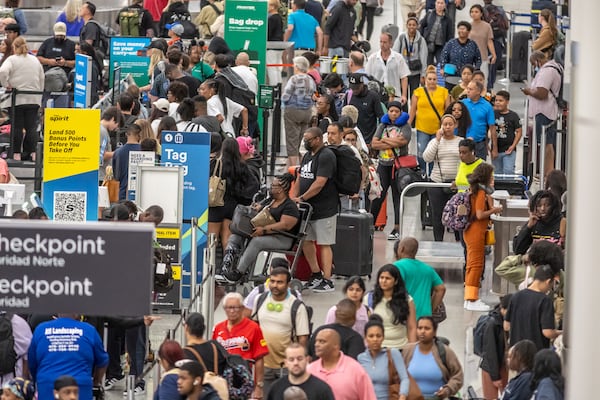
189 126
277 327
214 108
248 75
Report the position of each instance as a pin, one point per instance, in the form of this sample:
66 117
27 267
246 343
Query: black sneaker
313 282
111 382
324 287
394 235
233 276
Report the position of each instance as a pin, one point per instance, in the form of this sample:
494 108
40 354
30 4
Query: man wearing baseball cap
57 51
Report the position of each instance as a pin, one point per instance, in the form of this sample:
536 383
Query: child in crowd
508 129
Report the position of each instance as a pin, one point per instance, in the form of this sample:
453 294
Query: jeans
438 199
422 140
499 47
116 338
385 176
505 163
481 149
262 243
135 339
338 51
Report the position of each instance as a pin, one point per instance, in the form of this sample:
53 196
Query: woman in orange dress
482 207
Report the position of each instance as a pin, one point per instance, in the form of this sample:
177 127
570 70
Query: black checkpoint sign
94 268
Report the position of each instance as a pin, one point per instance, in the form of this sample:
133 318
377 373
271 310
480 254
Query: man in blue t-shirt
422 282
482 120
121 158
66 346
302 28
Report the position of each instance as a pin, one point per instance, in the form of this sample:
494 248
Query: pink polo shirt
348 380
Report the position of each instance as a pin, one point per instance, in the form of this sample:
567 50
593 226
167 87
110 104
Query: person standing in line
482 34
483 121
413 47
508 130
339 28
437 29
457 53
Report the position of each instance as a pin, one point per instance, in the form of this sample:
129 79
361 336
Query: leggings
26 117
438 199
385 176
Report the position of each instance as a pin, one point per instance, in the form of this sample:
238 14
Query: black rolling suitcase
425 211
518 57
515 185
353 248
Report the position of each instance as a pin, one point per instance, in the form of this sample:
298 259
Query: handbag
263 218
112 185
393 378
217 186
490 236
241 222
408 161
446 190
439 314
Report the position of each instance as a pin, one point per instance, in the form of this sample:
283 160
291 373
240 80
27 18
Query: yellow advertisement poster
71 162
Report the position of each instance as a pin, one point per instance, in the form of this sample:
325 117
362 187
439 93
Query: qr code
70 206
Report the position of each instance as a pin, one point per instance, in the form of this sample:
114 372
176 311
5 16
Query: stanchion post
205 292
130 387
265 138
212 261
542 155
193 263
534 148
276 131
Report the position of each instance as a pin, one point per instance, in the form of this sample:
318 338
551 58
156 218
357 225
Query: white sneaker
477 305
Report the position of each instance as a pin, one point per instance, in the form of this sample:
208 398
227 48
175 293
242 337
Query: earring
56 396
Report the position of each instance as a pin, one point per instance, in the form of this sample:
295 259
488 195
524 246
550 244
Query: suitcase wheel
296 284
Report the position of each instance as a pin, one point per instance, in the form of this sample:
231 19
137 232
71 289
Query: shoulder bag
446 190
431 103
212 377
217 186
112 185
414 393
413 64
263 218
241 222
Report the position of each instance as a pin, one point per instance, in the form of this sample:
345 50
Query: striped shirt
445 156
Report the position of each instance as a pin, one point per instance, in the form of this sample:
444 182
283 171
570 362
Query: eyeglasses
231 308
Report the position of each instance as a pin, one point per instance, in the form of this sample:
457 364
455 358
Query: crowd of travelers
436 78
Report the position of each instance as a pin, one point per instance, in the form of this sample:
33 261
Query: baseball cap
160 44
60 29
245 143
176 27
355 79
162 105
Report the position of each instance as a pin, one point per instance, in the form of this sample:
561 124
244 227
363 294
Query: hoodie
419 51
255 164
174 13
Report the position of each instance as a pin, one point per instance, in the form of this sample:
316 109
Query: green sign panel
124 52
265 96
246 30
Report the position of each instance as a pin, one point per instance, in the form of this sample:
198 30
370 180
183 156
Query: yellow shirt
426 120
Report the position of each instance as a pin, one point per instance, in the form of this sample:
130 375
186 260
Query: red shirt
245 339
155 7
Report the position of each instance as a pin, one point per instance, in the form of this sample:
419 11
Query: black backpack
496 17
348 175
190 30
8 356
162 270
560 100
294 312
478 332
103 44
379 88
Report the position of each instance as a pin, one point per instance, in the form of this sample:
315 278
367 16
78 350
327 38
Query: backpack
294 312
478 332
8 355
283 10
238 375
496 17
162 270
7 12
130 21
212 378
102 47
560 100
190 30
55 80
457 211
348 175
379 88
262 288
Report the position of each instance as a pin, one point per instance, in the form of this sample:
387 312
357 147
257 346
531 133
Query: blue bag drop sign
83 81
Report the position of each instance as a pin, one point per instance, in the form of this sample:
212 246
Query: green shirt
419 279
202 71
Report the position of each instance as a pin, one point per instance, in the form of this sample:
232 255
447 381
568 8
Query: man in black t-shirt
173 73
91 30
296 361
368 104
315 185
57 51
508 132
530 314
